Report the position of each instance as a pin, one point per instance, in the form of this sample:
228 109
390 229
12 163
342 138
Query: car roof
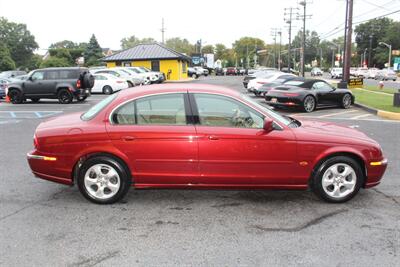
176 88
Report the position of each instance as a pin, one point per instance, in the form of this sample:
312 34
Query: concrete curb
379 113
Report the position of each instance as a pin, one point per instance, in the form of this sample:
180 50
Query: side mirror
268 125
30 78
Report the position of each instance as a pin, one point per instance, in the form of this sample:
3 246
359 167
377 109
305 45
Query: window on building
155 65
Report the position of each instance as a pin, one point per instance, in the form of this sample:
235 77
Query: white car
202 70
371 73
108 84
362 73
158 74
139 78
336 73
125 75
148 76
265 78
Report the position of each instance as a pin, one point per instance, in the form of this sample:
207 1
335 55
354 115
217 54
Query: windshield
295 83
93 111
271 113
144 69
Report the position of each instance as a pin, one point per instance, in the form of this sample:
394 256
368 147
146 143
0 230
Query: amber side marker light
42 157
378 163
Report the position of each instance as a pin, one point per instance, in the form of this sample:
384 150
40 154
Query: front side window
321 86
38 75
167 109
215 110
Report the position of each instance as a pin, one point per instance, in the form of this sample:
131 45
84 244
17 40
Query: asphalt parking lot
46 224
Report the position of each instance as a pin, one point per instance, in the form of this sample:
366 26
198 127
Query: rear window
93 111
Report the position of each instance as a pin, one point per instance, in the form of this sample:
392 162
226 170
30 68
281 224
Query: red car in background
231 71
200 137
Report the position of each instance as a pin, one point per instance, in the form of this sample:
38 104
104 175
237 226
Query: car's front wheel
346 101
338 179
103 180
15 96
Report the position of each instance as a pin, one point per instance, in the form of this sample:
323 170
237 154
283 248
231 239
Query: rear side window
168 109
52 75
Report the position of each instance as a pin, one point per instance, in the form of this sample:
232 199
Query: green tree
208 49
20 42
220 51
180 45
54 62
62 53
311 46
35 62
377 30
93 52
64 44
6 62
132 41
245 48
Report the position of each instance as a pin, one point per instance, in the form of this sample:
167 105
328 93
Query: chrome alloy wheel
309 104
339 180
346 101
102 181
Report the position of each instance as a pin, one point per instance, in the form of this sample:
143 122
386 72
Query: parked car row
67 84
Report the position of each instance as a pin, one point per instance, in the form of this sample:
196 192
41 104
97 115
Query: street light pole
280 44
303 44
390 52
369 51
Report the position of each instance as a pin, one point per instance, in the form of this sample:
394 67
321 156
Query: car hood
329 131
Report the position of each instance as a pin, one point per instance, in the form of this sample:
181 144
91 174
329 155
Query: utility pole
390 52
274 32
303 43
162 30
347 53
280 44
289 12
369 51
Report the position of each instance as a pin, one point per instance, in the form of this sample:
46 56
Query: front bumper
375 171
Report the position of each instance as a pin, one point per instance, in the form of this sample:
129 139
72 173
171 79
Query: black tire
87 80
16 96
309 104
121 170
194 76
317 183
346 101
107 90
35 100
64 96
130 84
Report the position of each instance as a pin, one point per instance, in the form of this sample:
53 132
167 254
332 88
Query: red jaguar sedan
200 137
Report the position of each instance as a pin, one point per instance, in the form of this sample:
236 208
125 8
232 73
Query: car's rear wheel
15 96
107 90
338 179
65 96
194 76
346 101
103 180
309 104
81 98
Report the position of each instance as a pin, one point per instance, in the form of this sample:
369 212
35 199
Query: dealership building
154 56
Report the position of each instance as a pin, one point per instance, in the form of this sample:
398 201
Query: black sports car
280 81
308 94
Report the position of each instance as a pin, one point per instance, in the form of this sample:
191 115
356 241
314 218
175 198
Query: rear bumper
49 168
81 92
282 101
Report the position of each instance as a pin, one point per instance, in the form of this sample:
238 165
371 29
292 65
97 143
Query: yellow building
153 56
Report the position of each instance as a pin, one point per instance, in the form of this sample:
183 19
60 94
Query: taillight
290 94
78 84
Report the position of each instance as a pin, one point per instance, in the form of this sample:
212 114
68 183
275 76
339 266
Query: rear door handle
213 137
128 138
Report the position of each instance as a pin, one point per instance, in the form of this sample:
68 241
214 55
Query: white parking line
337 113
360 116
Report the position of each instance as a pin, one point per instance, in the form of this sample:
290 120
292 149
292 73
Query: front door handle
128 138
213 137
